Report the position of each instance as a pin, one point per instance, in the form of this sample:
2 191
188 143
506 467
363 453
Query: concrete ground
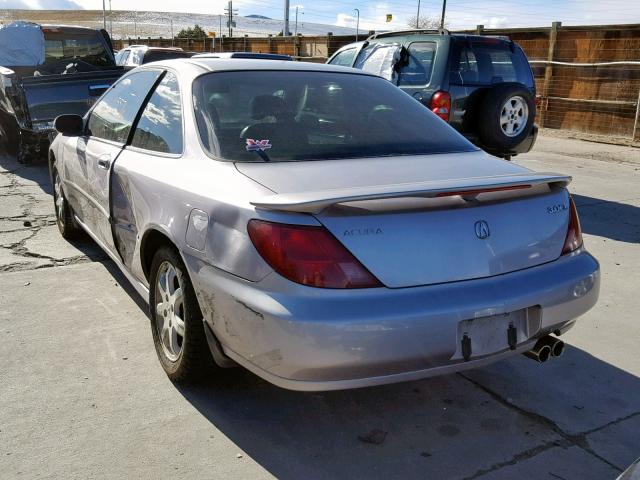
82 394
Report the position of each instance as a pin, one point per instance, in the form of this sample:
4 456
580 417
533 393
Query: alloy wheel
169 297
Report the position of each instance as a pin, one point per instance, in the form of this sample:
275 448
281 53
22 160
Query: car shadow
442 427
609 219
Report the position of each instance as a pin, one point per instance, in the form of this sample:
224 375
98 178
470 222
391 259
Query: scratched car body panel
429 233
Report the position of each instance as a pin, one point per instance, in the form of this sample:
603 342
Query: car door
108 127
156 145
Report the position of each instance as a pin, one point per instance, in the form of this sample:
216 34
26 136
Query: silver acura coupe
317 226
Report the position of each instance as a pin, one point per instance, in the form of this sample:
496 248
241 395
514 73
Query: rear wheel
64 216
176 320
506 118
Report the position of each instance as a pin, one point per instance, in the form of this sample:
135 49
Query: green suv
482 86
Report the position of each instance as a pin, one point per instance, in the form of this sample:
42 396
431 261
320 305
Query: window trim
134 126
87 115
433 63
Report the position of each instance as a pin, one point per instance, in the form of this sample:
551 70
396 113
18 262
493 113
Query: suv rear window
489 62
298 115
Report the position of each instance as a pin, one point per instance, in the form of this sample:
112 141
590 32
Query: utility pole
135 23
110 21
357 10
220 30
230 13
285 29
418 16
104 16
171 23
296 27
444 9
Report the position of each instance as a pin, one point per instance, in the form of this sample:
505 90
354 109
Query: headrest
267 106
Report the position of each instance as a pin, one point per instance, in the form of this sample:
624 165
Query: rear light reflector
574 232
441 105
309 255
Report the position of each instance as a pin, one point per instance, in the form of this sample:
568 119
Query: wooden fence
588 77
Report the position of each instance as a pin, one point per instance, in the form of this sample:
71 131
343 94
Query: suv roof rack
417 31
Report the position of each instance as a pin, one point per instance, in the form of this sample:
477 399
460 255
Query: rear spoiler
315 202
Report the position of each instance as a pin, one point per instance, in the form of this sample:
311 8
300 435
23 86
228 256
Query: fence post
636 124
548 71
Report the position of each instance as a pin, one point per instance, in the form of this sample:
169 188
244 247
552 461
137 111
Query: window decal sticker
258 145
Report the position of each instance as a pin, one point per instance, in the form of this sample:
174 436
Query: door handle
104 162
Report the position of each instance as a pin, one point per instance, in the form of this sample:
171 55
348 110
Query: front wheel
176 320
64 216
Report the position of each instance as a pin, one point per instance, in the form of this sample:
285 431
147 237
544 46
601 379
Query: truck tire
506 116
9 134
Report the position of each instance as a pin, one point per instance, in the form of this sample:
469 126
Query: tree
197 32
426 22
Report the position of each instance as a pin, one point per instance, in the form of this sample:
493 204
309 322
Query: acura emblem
482 229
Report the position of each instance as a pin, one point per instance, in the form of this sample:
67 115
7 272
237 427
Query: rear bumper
303 338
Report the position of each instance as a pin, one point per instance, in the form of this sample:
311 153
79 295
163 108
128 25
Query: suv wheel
508 112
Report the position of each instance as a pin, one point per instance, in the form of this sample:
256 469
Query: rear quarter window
487 63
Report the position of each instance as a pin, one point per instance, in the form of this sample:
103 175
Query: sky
460 13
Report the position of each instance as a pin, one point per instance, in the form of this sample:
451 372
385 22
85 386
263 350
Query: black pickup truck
46 71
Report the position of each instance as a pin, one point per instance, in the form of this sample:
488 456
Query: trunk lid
403 220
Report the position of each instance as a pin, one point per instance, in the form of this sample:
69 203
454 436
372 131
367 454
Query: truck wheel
176 320
9 136
506 116
67 225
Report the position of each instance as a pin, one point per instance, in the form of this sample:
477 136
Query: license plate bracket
491 334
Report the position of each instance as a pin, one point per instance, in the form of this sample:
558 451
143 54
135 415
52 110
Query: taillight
574 232
309 255
441 105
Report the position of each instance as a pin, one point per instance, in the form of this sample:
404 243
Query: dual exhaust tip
545 348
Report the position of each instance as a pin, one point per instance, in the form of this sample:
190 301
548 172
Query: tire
67 225
185 357
9 134
506 117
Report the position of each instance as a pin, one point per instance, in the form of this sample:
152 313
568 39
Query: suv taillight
573 241
309 255
441 105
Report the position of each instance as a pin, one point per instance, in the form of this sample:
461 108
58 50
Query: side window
344 58
113 115
121 58
417 70
136 56
379 59
160 126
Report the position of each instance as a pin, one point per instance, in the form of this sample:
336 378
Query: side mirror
69 125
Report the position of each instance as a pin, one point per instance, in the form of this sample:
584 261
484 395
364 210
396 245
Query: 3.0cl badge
482 229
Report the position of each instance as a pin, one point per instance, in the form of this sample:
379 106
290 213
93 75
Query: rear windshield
488 62
296 115
87 49
157 55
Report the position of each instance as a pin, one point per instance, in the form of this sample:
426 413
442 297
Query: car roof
235 64
252 55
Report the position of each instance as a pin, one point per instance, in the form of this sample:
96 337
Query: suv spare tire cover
489 125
